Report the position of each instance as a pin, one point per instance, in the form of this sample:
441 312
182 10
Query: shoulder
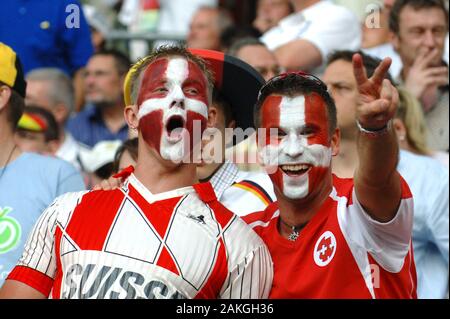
82 116
233 228
257 183
46 164
343 186
65 204
334 11
262 219
422 169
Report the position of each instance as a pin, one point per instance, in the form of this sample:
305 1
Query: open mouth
295 170
173 127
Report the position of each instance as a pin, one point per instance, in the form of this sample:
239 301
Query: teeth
294 168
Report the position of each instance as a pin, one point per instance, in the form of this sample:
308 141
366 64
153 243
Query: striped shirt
130 243
242 192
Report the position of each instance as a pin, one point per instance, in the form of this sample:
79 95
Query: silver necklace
295 230
7 161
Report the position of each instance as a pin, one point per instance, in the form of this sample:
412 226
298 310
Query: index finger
358 69
380 72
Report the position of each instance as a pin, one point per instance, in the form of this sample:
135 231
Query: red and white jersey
342 252
130 243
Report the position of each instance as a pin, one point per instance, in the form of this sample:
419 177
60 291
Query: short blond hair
134 76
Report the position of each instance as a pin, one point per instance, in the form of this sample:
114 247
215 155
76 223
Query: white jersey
242 192
130 243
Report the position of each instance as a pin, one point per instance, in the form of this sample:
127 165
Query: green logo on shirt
9 231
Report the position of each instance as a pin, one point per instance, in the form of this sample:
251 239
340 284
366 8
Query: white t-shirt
328 26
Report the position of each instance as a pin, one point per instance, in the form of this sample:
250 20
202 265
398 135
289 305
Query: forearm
377 182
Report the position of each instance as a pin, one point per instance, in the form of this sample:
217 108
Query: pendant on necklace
294 234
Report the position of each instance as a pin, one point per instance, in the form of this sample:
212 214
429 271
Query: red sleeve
32 278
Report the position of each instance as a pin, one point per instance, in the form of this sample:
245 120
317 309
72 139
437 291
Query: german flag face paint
173 105
297 151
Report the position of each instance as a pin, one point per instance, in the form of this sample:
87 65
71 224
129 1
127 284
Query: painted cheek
317 115
270 117
199 121
151 126
154 73
315 176
198 77
277 179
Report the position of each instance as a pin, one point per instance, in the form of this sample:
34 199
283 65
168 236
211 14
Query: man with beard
331 237
102 118
159 235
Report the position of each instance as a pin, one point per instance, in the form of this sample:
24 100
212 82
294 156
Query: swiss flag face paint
297 154
173 107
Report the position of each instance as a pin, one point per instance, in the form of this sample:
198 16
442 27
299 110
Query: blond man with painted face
160 235
332 237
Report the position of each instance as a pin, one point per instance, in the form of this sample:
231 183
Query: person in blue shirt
46 33
102 117
28 182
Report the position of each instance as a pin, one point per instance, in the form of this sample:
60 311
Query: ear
5 95
395 41
60 112
335 142
130 113
400 129
53 147
213 114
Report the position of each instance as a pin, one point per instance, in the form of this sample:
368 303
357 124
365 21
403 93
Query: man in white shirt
315 29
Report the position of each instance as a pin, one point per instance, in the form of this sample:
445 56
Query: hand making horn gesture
378 98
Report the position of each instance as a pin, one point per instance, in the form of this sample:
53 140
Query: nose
293 147
429 39
178 98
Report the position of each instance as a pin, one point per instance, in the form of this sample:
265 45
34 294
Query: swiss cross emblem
325 249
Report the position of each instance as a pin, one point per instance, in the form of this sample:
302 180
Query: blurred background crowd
76 53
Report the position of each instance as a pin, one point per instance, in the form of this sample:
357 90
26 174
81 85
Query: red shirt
342 252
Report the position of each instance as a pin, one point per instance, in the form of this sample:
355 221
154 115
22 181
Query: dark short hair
130 145
369 62
394 17
121 61
293 84
243 42
234 33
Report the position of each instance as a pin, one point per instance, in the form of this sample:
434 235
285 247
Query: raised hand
378 98
422 75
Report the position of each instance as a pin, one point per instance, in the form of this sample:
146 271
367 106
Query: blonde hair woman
411 128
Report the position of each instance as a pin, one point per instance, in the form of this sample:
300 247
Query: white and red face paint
299 156
173 100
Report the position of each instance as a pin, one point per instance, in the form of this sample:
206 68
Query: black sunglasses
299 74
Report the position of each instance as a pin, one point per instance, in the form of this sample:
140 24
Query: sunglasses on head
300 74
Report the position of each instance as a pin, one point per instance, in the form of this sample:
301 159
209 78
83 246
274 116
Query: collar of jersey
150 197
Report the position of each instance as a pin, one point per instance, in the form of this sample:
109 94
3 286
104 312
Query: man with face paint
159 235
332 237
